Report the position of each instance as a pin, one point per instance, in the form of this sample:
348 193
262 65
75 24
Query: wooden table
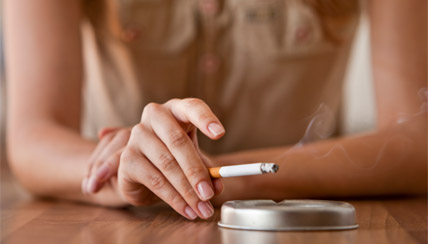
26 220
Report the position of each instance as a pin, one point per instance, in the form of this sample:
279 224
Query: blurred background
358 110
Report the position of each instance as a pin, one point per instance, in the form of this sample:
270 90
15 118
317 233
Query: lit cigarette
243 169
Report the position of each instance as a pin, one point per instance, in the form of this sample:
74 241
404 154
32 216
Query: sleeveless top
265 67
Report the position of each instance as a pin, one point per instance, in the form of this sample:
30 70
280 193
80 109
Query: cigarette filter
243 169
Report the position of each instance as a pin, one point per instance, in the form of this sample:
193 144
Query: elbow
22 168
21 175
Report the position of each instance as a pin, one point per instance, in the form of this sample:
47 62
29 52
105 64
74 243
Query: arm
44 73
159 158
393 159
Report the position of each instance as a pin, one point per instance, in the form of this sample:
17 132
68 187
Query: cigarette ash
269 168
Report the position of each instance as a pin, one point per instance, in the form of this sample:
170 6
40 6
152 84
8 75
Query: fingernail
190 213
92 185
103 172
206 210
205 190
216 129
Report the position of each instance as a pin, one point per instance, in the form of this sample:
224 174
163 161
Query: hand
104 161
162 159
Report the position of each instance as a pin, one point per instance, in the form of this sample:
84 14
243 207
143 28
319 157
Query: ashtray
288 215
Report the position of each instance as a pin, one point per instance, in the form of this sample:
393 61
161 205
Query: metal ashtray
288 215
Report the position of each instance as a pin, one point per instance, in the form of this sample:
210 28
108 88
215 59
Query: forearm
51 160
48 159
392 161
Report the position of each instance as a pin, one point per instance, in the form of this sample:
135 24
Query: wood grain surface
28 220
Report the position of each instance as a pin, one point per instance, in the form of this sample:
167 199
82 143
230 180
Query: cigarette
243 169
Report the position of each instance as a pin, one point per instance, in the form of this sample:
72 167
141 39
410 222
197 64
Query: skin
159 159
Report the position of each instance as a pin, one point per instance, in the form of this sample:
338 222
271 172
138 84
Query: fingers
102 172
167 129
105 162
197 112
135 168
218 186
98 149
95 154
106 130
158 154
161 157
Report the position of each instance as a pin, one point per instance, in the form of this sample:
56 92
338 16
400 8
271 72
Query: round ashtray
287 215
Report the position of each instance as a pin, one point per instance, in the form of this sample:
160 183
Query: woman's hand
104 161
162 158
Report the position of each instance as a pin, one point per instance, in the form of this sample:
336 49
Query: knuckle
173 100
127 156
156 182
195 172
176 200
178 138
151 108
190 102
189 194
137 130
204 116
166 161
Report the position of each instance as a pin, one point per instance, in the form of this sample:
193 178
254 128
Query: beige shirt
263 66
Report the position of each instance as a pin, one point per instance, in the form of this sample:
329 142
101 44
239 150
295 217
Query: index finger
166 127
198 113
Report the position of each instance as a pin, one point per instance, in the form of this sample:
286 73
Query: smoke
322 126
399 143
423 108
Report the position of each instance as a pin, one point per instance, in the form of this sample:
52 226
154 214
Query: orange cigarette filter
215 172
